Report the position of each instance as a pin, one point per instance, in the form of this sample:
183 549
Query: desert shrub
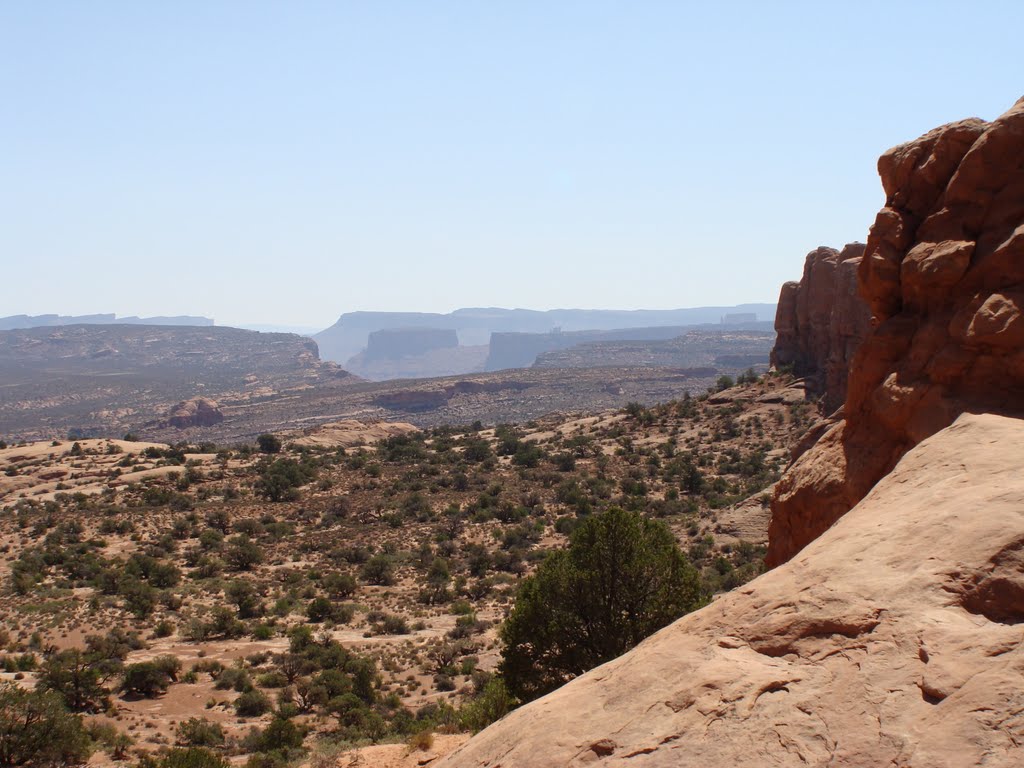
379 570
622 578
235 678
246 599
279 735
492 703
37 730
76 678
107 738
280 479
422 740
242 553
252 704
269 443
339 585
146 679
200 732
164 628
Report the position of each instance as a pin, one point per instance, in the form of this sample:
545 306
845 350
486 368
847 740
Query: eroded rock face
197 412
396 343
860 651
943 275
821 321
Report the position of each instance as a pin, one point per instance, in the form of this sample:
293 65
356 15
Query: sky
283 163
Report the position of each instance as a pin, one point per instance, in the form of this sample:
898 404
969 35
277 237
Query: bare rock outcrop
821 321
351 432
943 275
196 412
431 397
860 651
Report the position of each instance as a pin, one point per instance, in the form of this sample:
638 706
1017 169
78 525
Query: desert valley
219 548
558 438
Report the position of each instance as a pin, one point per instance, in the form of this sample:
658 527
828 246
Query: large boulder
891 640
196 412
821 321
943 275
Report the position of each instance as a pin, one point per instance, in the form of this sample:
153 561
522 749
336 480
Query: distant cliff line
21 322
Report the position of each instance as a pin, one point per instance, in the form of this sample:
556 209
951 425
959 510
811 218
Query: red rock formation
197 412
943 275
820 322
893 640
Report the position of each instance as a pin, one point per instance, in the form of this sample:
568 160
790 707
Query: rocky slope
943 275
724 351
821 322
859 651
104 380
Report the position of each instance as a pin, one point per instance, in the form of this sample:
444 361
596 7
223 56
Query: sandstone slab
893 639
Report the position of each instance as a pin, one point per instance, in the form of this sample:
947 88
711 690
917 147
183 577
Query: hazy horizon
284 164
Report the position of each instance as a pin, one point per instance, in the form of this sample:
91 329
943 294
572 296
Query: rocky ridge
943 276
821 321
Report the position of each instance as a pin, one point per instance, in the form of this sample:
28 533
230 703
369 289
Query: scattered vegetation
425 585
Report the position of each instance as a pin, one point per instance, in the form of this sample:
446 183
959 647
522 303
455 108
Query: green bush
379 570
145 679
37 730
252 704
200 732
76 678
622 578
269 443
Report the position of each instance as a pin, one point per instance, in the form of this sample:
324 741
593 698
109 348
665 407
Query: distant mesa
196 412
15 322
739 318
396 343
350 335
719 349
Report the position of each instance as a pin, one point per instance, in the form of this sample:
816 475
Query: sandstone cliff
394 343
861 651
943 275
821 321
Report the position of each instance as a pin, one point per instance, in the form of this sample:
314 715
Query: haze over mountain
474 326
39 321
772 535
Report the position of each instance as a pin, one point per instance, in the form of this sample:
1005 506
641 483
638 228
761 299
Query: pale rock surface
747 520
351 432
894 639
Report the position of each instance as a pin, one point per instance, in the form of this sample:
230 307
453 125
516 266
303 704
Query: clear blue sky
286 162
